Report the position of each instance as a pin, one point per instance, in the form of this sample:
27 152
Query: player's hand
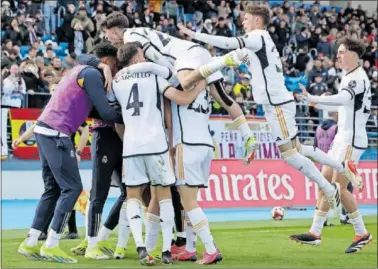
108 76
304 90
16 143
185 30
78 158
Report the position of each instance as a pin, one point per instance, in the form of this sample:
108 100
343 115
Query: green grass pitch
243 245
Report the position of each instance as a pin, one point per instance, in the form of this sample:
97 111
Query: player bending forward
257 50
353 105
183 58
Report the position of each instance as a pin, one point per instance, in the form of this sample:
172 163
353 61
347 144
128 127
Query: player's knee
222 93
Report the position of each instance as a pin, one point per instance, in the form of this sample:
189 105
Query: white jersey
264 63
140 97
167 45
191 123
354 115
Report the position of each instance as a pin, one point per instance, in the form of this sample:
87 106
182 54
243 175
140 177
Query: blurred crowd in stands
41 39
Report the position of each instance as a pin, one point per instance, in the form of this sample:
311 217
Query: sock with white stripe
123 228
167 219
191 236
52 240
87 220
308 168
242 124
216 64
134 216
32 238
320 156
153 228
358 223
318 222
201 227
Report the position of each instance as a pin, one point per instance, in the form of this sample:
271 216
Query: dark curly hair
105 49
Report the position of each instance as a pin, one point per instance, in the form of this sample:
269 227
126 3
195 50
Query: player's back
354 115
140 97
167 45
191 123
268 83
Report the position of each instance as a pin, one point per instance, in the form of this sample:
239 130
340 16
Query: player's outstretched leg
307 167
123 228
348 168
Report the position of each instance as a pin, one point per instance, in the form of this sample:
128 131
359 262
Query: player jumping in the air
353 104
257 50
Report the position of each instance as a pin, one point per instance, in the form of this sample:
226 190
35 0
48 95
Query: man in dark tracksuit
72 228
106 171
74 97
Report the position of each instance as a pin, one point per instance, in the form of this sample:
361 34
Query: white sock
32 239
308 168
343 217
181 234
134 216
318 222
123 228
153 227
167 217
242 124
191 236
103 234
86 219
216 64
358 223
92 241
321 157
201 227
52 239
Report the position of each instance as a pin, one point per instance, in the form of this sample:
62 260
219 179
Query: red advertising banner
269 183
21 119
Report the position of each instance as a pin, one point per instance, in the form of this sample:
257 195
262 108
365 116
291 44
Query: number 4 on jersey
134 94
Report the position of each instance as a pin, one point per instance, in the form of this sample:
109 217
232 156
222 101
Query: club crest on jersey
352 84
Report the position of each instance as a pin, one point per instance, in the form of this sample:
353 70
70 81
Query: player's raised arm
345 96
216 41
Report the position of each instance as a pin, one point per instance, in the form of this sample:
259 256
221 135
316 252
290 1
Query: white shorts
195 58
281 120
154 169
341 152
193 165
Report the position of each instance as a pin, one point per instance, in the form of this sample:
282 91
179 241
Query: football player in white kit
353 104
146 157
183 58
257 50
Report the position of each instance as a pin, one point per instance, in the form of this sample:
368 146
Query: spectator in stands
57 68
65 32
318 87
324 46
13 89
82 26
303 39
32 54
6 12
49 54
34 84
14 33
39 23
